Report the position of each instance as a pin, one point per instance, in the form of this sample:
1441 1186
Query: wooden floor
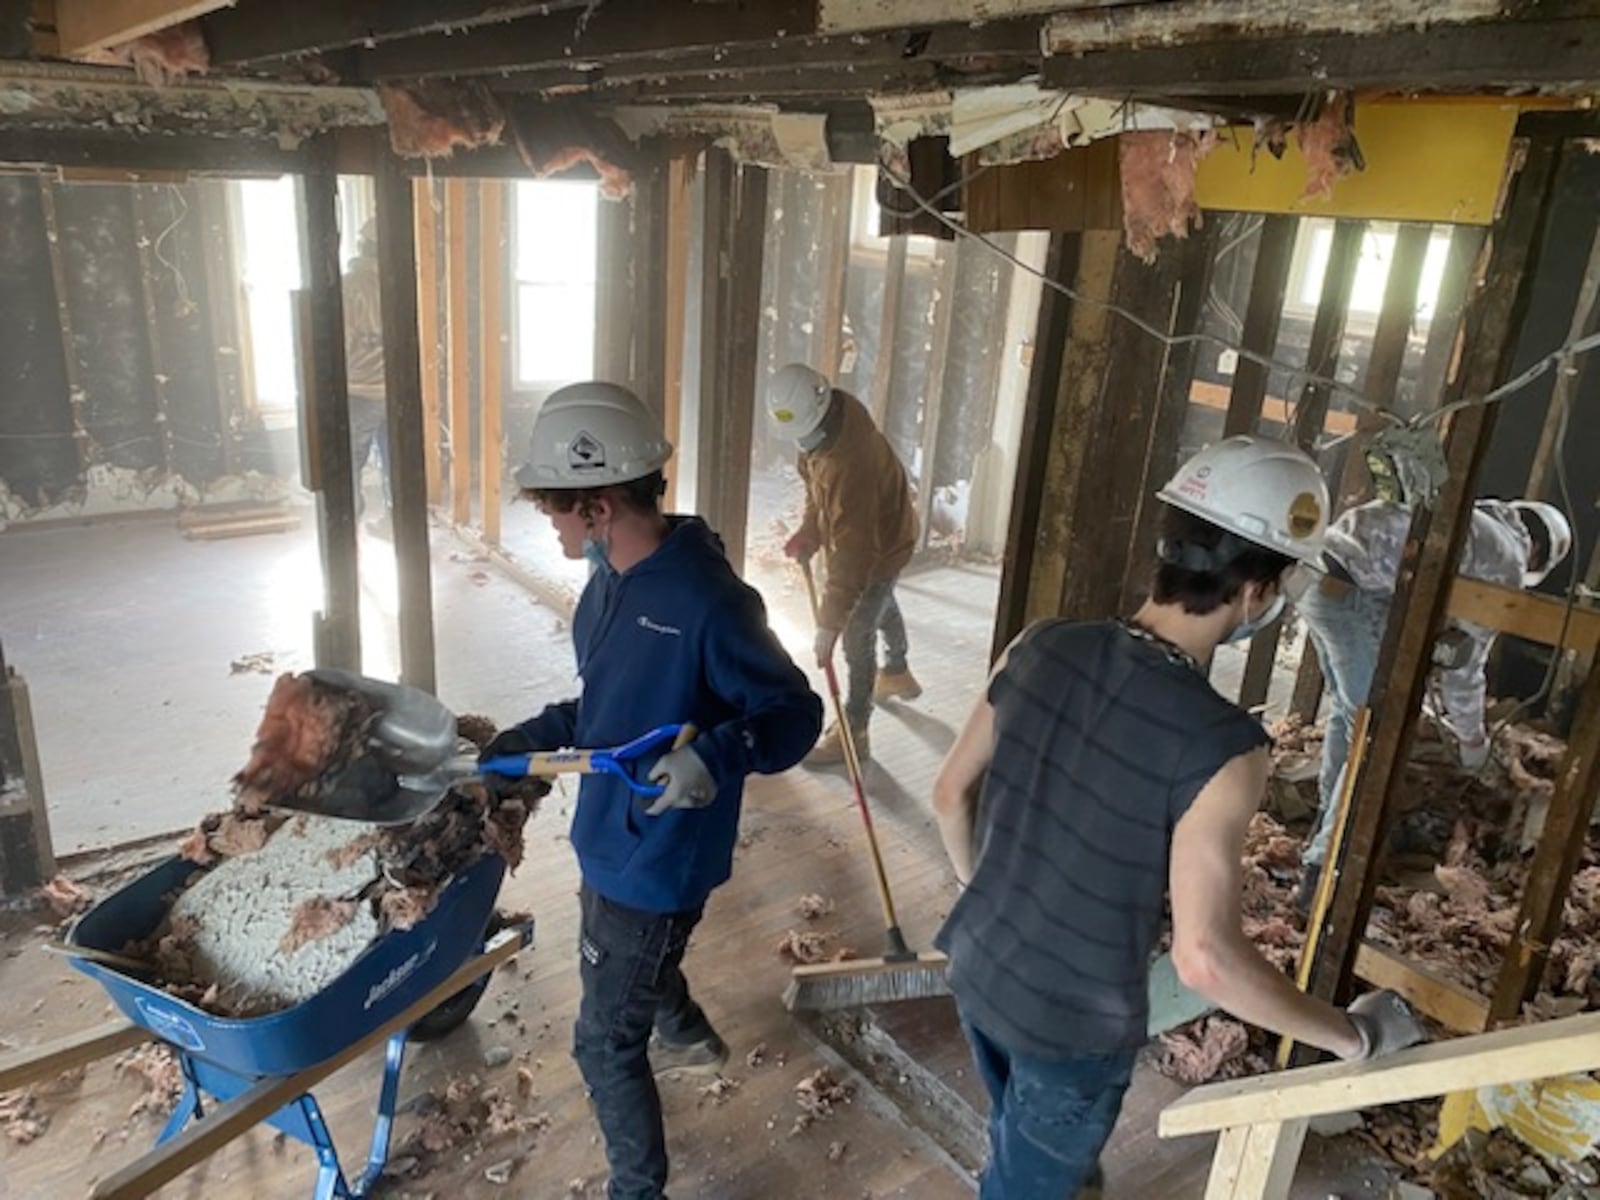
800 835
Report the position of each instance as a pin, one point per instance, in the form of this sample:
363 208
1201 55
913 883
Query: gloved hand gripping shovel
412 760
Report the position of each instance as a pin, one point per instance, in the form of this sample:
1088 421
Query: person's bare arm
955 790
1209 948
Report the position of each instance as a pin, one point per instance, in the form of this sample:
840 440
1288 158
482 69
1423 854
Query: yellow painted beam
1427 160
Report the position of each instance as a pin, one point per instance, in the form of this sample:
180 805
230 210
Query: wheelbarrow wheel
451 1014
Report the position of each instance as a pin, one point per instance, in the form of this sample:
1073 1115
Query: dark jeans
632 982
1048 1121
369 430
876 611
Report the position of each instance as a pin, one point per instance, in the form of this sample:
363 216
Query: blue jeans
632 982
1048 1121
1346 625
876 611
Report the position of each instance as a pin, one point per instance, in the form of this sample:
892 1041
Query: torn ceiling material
430 118
551 137
1024 122
1158 186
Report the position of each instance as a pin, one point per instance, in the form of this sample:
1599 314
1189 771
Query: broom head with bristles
821 987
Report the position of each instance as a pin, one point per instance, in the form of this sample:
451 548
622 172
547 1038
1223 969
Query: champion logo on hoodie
668 630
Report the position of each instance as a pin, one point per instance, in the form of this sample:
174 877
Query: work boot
706 1057
896 685
829 750
1306 894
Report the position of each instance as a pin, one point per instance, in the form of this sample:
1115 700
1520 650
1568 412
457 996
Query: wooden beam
946 273
85 26
1526 615
1447 1002
1440 352
1561 846
397 273
1025 528
138 197
679 203
493 246
69 346
894 286
1390 340
834 284
1322 358
427 239
1262 315
616 290
1477 57
1484 1060
223 1124
1256 1162
223 316
653 29
1195 258
459 353
1428 561
37 1063
325 423
1585 321
735 212
254 33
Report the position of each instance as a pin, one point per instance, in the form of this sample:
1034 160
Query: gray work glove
1386 1024
687 781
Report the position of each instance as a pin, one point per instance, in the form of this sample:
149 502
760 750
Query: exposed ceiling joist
1483 57
861 16
849 66
257 32
88 25
618 28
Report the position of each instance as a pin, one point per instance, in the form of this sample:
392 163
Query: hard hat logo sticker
586 452
1305 514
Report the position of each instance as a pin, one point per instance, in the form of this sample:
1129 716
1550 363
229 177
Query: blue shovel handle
615 761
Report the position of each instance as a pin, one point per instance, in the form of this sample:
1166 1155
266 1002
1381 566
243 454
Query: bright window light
1372 270
555 238
269 251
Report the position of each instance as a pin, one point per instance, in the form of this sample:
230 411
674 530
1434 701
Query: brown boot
896 685
829 750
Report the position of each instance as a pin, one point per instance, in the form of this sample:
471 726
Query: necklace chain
1174 652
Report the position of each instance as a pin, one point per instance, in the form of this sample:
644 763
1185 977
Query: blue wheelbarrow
239 1061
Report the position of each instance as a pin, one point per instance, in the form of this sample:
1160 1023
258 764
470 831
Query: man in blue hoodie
665 632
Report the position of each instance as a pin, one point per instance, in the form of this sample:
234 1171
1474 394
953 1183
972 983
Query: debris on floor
813 946
813 907
65 898
262 662
819 1096
461 1113
158 1071
21 1117
719 1089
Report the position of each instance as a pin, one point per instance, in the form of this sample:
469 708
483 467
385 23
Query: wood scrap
820 1095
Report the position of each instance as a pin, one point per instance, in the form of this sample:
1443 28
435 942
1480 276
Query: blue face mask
1252 626
597 551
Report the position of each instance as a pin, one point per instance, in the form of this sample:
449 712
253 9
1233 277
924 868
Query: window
1372 270
268 221
864 218
555 234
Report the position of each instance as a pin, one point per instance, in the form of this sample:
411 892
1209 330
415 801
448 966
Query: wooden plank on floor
493 246
38 1063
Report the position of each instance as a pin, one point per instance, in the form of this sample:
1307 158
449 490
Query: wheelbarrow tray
396 969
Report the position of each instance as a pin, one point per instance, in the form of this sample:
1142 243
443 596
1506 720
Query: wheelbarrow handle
549 763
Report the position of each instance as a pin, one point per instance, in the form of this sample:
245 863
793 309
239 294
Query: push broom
901 974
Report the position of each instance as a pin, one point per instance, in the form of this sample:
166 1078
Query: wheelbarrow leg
331 1184
189 1105
383 1127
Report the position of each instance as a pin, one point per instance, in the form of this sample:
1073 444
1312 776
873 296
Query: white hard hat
590 435
1557 528
1264 491
797 400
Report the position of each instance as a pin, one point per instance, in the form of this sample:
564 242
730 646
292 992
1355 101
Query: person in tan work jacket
363 356
859 514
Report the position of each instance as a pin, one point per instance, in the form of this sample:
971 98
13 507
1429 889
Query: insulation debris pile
462 1113
284 906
